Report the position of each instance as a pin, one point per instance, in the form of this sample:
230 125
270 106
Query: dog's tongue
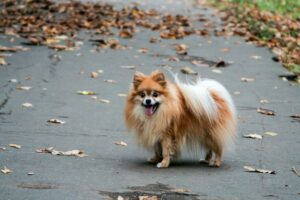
149 111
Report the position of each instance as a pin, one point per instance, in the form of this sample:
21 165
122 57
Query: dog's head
148 91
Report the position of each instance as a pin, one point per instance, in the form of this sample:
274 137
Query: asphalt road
110 170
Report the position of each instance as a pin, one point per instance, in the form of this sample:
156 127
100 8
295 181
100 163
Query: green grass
283 7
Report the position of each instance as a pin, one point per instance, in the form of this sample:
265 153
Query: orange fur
175 124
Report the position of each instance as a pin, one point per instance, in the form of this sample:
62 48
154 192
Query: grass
290 8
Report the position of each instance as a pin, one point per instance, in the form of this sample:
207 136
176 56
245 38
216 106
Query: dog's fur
167 116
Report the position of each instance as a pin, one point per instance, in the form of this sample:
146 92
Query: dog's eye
142 94
155 94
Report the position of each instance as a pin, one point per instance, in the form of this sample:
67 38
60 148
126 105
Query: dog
169 116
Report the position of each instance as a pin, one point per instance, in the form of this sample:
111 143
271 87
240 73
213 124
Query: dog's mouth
150 109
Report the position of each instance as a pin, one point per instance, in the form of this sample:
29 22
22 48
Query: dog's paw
154 159
205 162
162 165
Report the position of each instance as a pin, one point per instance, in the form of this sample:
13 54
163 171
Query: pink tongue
149 111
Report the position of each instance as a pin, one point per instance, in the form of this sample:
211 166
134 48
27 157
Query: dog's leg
207 157
218 159
158 154
167 153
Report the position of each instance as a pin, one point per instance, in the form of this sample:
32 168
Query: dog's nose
148 101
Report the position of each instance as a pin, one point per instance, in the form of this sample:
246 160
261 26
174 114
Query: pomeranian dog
169 116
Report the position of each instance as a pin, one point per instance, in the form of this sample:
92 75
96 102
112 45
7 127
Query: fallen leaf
270 133
94 74
264 101
30 173
121 143
13 80
224 50
2 148
86 92
12 49
110 81
143 50
125 33
179 190
27 105
16 146
264 171
23 87
295 171
52 151
6 170
265 111
2 61
104 100
56 121
188 70
221 63
253 136
148 198
217 71
181 49
173 58
153 40
120 198
295 116
256 57
244 79
128 67
59 47
122 95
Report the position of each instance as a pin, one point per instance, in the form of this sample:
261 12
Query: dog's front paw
154 159
162 165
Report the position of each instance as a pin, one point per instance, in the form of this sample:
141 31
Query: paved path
111 170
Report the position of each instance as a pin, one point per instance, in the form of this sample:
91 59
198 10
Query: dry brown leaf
295 171
16 146
265 111
125 33
122 95
244 79
51 150
94 75
56 121
143 50
179 190
27 105
264 171
121 143
188 70
220 63
110 81
148 198
173 58
104 100
30 173
153 40
59 47
128 67
23 87
253 136
12 49
295 116
270 133
86 92
2 148
181 49
2 61
224 50
5 170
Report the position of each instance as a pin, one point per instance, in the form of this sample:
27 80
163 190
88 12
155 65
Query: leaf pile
44 22
279 33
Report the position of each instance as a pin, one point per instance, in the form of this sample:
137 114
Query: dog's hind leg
208 157
157 154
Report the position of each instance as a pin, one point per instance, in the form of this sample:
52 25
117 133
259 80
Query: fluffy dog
168 116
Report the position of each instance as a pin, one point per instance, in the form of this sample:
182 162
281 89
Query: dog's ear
138 78
159 77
